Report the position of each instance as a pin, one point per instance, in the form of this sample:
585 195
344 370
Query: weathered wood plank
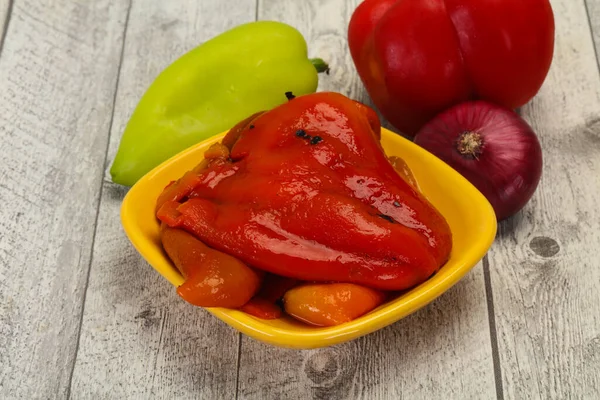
139 340
544 265
443 351
58 72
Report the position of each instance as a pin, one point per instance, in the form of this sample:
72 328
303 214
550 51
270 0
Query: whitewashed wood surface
82 316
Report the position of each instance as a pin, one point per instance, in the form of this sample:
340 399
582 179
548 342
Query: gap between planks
5 22
493 333
591 26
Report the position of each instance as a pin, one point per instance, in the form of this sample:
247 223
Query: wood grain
544 265
58 72
139 340
443 351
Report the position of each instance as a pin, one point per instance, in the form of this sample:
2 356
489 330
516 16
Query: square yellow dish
469 214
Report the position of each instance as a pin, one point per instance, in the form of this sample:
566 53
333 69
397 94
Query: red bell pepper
419 57
307 193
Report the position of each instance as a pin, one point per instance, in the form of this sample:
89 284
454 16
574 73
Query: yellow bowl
470 216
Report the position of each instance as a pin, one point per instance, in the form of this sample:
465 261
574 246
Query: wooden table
82 316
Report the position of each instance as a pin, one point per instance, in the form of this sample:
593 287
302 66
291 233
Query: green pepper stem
320 65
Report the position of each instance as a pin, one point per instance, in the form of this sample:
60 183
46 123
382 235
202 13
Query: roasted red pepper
331 304
308 193
419 57
212 278
264 304
261 308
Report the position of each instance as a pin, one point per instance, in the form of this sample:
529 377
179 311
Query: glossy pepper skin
212 278
208 90
420 57
331 304
308 193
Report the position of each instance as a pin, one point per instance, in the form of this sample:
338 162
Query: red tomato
420 57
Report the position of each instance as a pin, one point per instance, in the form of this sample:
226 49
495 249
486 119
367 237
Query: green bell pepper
211 88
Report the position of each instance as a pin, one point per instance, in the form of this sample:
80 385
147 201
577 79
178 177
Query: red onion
491 146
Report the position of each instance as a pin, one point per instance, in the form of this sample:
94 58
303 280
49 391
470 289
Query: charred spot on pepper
316 140
301 133
387 218
290 95
251 127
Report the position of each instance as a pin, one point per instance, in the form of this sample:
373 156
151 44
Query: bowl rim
388 313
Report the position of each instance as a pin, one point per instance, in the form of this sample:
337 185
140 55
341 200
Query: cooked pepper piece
261 308
293 247
404 171
264 304
331 304
332 209
168 213
212 278
178 190
234 133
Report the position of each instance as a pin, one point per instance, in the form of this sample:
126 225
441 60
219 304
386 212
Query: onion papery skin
492 147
